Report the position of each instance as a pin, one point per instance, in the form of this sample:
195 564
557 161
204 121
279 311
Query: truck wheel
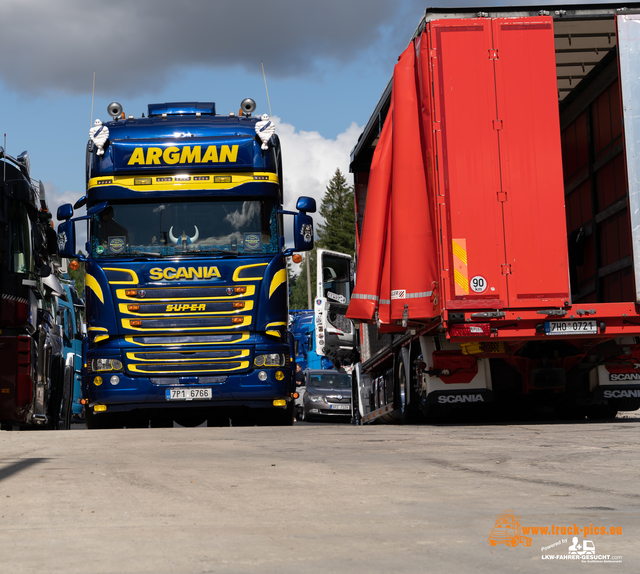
601 412
513 542
64 422
279 417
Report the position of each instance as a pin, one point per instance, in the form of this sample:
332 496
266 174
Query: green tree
337 208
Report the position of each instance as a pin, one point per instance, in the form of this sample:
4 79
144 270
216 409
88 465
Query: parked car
327 394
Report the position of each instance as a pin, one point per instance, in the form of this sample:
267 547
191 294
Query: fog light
279 403
279 375
262 376
314 411
114 380
97 381
99 408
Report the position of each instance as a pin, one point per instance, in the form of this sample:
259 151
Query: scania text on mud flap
186 279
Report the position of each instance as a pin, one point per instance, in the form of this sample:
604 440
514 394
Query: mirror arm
285 212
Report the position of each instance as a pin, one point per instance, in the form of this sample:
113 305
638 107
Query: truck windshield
211 227
334 380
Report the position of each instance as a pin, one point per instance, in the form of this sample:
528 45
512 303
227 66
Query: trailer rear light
470 330
235 320
133 307
240 289
238 305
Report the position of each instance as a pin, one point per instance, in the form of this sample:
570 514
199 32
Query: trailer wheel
405 397
601 412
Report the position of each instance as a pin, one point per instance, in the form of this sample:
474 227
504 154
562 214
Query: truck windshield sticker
116 244
252 242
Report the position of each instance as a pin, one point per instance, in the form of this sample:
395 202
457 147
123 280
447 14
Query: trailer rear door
501 164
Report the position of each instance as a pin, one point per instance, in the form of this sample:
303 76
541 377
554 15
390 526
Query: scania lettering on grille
171 274
186 307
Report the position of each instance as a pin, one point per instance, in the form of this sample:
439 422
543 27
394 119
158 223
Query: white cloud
309 161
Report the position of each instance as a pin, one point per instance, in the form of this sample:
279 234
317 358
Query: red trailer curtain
397 260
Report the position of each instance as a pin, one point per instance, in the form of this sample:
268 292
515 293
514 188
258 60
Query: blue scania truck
186 270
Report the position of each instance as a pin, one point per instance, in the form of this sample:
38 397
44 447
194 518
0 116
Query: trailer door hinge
433 53
506 269
502 196
497 125
493 54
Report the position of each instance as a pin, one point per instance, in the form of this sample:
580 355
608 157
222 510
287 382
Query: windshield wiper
146 253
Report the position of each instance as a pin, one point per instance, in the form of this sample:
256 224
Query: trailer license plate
188 394
339 407
570 327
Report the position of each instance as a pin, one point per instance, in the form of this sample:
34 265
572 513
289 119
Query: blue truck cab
186 277
70 318
302 325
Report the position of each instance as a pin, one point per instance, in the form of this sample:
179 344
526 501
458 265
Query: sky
326 65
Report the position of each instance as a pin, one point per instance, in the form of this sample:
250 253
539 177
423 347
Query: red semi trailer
498 252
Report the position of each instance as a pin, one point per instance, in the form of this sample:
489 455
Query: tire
405 396
601 412
64 422
115 420
513 542
279 417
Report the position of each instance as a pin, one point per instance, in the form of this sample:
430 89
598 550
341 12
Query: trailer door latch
506 269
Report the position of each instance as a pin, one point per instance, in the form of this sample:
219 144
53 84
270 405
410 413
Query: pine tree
337 208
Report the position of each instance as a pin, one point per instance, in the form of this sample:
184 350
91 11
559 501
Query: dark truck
35 384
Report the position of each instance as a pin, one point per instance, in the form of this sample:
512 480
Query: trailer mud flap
467 396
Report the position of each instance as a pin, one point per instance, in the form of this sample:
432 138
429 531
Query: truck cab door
335 334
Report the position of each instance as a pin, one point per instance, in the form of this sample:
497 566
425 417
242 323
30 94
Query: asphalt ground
319 498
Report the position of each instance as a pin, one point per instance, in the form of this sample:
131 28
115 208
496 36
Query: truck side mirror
306 204
65 212
303 232
67 240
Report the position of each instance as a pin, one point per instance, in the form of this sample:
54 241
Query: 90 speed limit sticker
478 284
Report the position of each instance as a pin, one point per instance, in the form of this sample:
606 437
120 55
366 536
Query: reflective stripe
460 270
370 297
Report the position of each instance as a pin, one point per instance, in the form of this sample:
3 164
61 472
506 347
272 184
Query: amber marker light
295 395
131 292
100 408
240 289
279 375
238 305
74 266
135 323
133 307
296 258
235 320
279 403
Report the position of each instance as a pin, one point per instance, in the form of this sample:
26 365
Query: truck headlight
99 365
270 360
